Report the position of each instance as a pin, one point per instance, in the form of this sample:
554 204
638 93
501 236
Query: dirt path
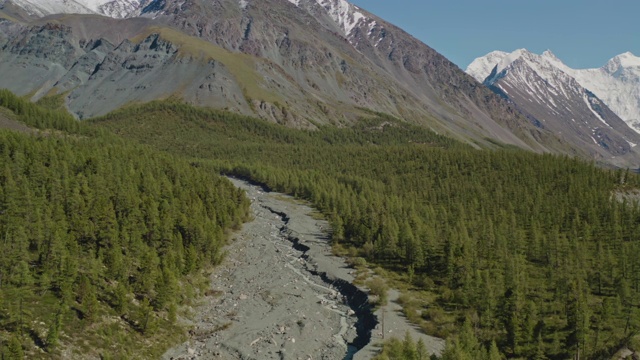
280 293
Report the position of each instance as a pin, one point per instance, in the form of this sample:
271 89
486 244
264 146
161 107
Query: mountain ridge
617 82
300 63
376 66
545 89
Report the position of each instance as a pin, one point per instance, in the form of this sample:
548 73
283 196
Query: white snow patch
586 101
503 89
343 13
372 25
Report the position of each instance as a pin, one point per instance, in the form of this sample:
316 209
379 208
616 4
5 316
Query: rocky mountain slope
297 62
111 8
555 96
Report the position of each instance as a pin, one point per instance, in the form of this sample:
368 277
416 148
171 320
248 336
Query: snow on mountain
543 65
626 60
345 14
111 8
553 60
537 76
617 83
545 89
121 8
481 67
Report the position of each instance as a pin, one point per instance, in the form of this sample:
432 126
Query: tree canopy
100 237
533 248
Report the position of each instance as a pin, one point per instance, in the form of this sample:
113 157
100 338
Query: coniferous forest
522 255
511 254
101 239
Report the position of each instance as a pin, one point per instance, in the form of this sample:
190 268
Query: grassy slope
242 66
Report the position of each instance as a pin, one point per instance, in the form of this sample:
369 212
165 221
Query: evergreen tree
53 335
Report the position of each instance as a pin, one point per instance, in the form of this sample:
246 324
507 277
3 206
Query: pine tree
54 331
14 349
494 353
421 350
409 350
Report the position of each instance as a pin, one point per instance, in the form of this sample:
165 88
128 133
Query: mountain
301 63
617 83
556 98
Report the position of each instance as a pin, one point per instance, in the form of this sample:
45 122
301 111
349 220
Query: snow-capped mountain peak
549 54
628 59
623 61
481 67
509 59
553 60
546 66
617 83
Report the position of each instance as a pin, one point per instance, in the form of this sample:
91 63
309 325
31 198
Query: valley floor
278 298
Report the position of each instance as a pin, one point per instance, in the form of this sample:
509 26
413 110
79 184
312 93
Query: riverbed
282 294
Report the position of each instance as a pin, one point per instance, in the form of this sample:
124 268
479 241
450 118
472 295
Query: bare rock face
298 63
99 77
50 42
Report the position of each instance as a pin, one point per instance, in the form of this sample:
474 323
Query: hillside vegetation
101 239
527 251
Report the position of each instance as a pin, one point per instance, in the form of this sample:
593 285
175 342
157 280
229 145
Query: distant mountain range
585 106
302 63
617 83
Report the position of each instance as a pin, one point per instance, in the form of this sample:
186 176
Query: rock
255 341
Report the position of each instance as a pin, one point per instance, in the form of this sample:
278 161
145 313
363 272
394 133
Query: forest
521 255
101 239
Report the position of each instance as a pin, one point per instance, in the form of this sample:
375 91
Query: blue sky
582 33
